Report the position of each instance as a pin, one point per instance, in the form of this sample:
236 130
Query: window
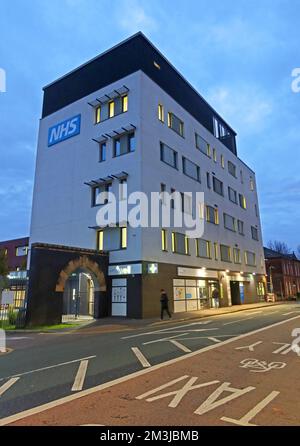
232 169
225 253
254 233
180 243
172 201
175 124
164 241
241 176
220 130
111 109
100 240
232 195
161 114
250 258
102 154
256 210
123 189
98 115
218 186
191 169
123 238
203 248
131 142
216 251
21 251
242 201
163 189
240 226
212 215
124 144
208 180
202 145
229 222
124 104
104 188
222 162
215 155
237 255
251 183
168 155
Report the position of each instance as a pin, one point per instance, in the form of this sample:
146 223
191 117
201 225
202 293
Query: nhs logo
64 130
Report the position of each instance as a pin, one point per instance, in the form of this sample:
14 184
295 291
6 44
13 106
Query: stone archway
85 263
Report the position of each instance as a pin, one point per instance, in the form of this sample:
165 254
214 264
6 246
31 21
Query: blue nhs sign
64 130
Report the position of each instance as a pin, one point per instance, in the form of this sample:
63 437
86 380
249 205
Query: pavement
101 378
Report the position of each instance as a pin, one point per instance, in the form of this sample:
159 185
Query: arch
85 263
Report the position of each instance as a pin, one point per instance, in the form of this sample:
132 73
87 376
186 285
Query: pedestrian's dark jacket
164 299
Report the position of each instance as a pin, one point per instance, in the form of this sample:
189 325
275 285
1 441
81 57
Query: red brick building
283 272
16 251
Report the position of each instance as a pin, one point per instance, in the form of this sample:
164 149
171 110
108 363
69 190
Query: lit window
187 245
161 116
164 242
124 104
173 242
212 215
251 184
123 238
242 200
100 240
111 109
98 115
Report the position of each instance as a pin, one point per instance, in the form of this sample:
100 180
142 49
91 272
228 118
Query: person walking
164 302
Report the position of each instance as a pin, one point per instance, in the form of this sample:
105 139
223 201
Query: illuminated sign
64 130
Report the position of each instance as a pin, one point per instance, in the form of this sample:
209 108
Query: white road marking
47 368
239 320
164 339
245 420
35 410
291 312
214 339
249 347
7 385
180 346
16 338
145 363
163 330
80 376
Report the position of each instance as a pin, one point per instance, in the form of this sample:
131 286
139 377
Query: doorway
79 295
235 293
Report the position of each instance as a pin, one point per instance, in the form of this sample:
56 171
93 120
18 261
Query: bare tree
3 271
298 252
279 246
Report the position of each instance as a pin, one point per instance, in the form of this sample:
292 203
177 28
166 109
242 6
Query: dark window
168 155
102 156
203 248
212 215
172 200
124 144
229 222
202 145
225 253
232 169
240 226
191 169
254 233
180 243
218 186
232 195
208 180
107 187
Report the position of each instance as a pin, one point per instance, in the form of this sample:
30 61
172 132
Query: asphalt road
46 367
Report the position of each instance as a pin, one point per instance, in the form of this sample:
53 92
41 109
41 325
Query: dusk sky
238 54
